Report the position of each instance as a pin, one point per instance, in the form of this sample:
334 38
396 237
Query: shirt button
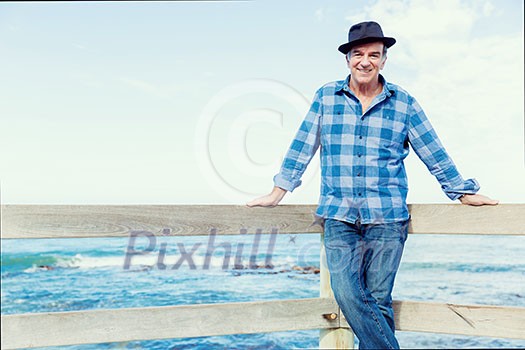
362 118
358 174
359 155
360 137
359 194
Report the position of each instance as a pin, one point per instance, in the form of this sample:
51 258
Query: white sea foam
150 261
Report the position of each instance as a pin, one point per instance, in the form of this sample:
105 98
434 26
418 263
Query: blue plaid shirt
363 177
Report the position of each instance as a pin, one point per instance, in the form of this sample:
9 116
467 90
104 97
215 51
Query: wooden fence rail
166 322
61 221
116 325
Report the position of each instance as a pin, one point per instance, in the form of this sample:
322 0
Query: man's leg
386 243
349 253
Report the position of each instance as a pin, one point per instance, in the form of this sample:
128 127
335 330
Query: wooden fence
118 325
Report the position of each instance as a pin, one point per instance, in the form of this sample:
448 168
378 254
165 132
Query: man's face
365 61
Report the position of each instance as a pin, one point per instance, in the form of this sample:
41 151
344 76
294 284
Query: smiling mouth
365 70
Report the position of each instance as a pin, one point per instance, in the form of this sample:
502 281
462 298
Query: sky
197 102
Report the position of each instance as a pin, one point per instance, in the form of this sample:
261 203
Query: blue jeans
363 261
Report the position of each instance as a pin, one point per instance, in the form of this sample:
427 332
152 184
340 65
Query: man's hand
477 200
270 200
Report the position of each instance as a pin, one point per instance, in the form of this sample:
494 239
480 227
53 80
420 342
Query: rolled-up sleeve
429 149
302 149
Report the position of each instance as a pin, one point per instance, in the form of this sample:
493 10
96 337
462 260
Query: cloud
425 18
165 92
461 77
320 14
79 46
488 8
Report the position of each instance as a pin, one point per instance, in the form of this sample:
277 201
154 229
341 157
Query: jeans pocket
330 226
336 229
394 231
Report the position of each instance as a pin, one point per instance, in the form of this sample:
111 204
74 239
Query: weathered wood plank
478 320
116 325
52 221
40 221
97 326
503 219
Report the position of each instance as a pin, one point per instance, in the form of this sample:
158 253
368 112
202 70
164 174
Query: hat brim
345 48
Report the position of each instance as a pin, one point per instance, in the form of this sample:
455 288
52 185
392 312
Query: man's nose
365 61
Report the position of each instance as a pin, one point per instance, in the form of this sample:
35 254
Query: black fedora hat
363 33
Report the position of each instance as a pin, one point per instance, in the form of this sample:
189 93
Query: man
364 126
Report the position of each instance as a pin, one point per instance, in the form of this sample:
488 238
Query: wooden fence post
332 338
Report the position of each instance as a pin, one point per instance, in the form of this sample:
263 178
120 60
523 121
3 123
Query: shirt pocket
334 124
392 130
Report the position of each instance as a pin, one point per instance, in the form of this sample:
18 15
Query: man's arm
429 149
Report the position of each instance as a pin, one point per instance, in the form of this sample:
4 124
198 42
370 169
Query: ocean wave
12 265
18 262
31 263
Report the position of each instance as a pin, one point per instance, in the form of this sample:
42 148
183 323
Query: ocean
52 275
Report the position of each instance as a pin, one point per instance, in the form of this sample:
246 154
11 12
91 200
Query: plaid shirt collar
343 86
